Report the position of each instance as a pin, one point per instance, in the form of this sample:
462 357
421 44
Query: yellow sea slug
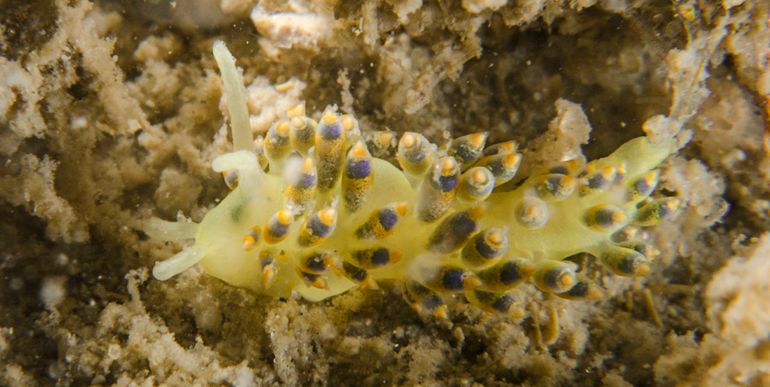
312 212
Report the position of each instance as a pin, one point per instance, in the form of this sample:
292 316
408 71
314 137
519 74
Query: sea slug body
312 211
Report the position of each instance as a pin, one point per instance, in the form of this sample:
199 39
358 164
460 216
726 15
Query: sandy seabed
111 112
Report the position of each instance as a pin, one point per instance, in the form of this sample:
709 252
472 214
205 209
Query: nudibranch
315 209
